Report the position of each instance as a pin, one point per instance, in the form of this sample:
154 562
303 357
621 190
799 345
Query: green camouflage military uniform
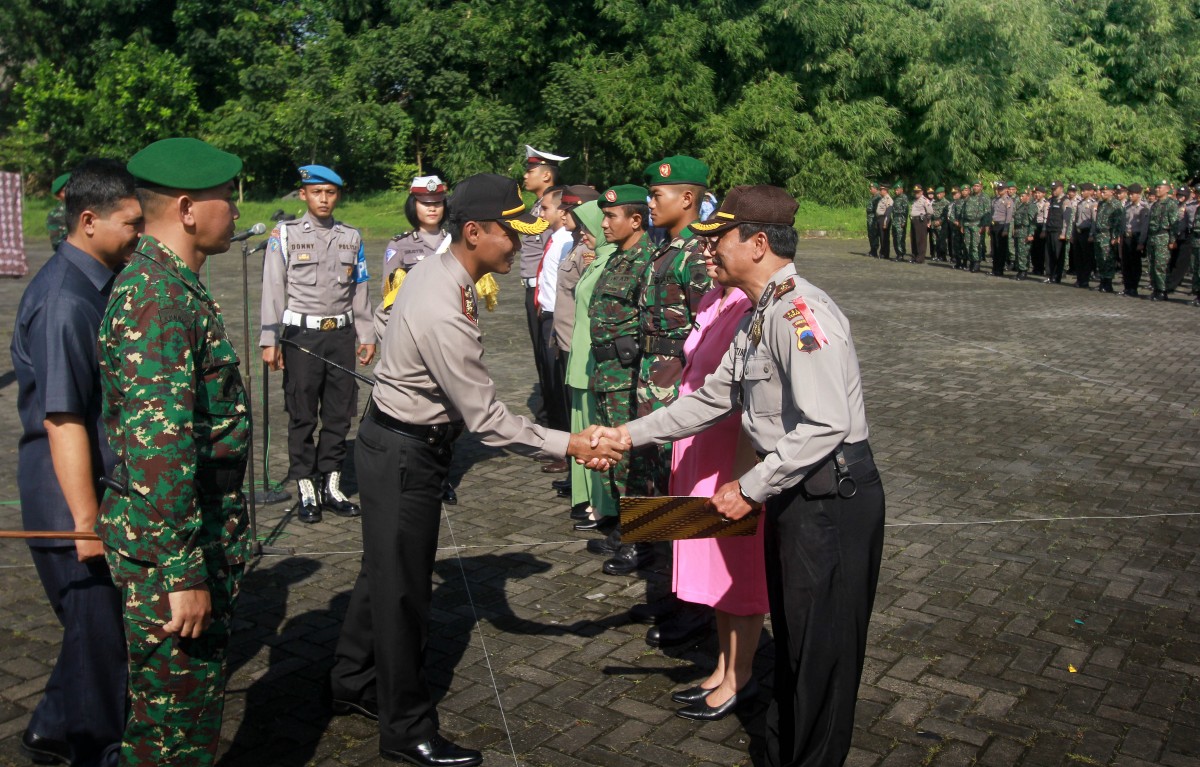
1164 215
872 226
674 283
56 224
899 224
977 213
616 319
939 229
177 416
1024 223
1196 254
1109 226
954 215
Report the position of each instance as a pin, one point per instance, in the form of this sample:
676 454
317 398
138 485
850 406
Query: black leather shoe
691 694
561 484
607 546
601 525
700 711
348 707
655 612
563 493
46 750
308 509
684 625
333 499
435 752
1020 276
1158 295
630 558
449 497
579 511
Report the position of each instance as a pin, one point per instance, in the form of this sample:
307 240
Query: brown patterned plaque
677 518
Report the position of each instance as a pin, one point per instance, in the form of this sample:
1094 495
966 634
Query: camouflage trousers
658 386
614 408
973 244
176 686
899 239
1021 249
1106 257
1159 255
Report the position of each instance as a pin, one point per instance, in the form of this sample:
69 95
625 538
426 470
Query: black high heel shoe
691 694
700 711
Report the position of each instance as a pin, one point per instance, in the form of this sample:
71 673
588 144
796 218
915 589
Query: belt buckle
329 323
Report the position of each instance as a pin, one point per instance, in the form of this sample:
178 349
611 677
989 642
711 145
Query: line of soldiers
1083 230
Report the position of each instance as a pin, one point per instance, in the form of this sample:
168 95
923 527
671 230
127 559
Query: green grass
381 215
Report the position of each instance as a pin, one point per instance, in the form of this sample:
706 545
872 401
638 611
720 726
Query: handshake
599 447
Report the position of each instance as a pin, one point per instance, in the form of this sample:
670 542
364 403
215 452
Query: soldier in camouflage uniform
1106 233
1164 215
939 229
1024 224
872 228
901 206
954 217
56 219
176 413
976 215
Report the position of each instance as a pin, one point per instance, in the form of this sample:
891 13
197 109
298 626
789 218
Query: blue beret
319 174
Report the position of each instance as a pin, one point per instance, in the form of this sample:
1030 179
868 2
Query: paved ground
1038 603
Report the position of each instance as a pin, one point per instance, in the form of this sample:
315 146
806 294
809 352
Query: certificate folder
677 518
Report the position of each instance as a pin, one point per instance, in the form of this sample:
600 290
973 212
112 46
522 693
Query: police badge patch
470 306
809 336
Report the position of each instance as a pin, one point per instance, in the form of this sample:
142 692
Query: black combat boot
308 510
335 500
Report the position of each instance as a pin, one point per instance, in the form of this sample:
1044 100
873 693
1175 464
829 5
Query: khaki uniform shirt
404 251
431 368
798 388
570 269
317 271
532 248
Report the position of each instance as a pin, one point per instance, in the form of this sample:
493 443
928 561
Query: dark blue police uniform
54 355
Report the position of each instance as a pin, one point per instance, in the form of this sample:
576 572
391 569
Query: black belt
831 475
604 352
666 346
435 435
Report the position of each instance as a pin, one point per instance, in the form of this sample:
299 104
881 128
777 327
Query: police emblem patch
431 185
809 336
470 306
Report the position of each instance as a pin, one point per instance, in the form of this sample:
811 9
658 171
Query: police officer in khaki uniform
315 296
425 210
432 384
793 372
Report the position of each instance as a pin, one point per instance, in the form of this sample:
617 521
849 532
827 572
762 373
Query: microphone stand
257 549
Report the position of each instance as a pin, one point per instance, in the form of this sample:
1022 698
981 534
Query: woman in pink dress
726 573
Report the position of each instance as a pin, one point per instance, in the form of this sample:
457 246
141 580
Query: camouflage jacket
872 206
1025 218
1110 221
900 207
616 314
56 224
176 414
977 211
939 212
673 287
1164 214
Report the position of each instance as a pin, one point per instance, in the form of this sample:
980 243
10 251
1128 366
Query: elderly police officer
315 296
793 372
432 384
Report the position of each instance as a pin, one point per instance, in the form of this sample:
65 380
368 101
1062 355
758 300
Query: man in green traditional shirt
177 416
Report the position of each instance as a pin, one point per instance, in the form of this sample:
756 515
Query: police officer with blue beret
316 295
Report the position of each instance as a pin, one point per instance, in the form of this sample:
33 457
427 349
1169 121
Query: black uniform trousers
380 654
1037 251
539 360
554 388
999 248
822 559
1083 256
920 239
1055 253
85 701
884 239
873 237
313 389
1133 251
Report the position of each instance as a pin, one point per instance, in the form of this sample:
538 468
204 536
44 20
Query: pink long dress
704 568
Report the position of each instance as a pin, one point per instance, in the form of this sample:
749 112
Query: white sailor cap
538 157
428 188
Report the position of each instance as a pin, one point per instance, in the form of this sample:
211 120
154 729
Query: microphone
253 231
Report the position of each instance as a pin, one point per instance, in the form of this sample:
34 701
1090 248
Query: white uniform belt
315 322
529 282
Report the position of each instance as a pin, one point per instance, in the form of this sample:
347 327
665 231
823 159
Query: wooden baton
48 535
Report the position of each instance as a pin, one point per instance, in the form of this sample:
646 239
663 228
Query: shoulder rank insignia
809 336
785 288
767 295
470 306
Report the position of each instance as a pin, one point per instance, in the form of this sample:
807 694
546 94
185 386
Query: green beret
898 185
184 163
677 169
58 183
623 194
964 188
940 190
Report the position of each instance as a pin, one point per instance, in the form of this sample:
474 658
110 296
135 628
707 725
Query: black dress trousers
313 389
380 654
822 559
